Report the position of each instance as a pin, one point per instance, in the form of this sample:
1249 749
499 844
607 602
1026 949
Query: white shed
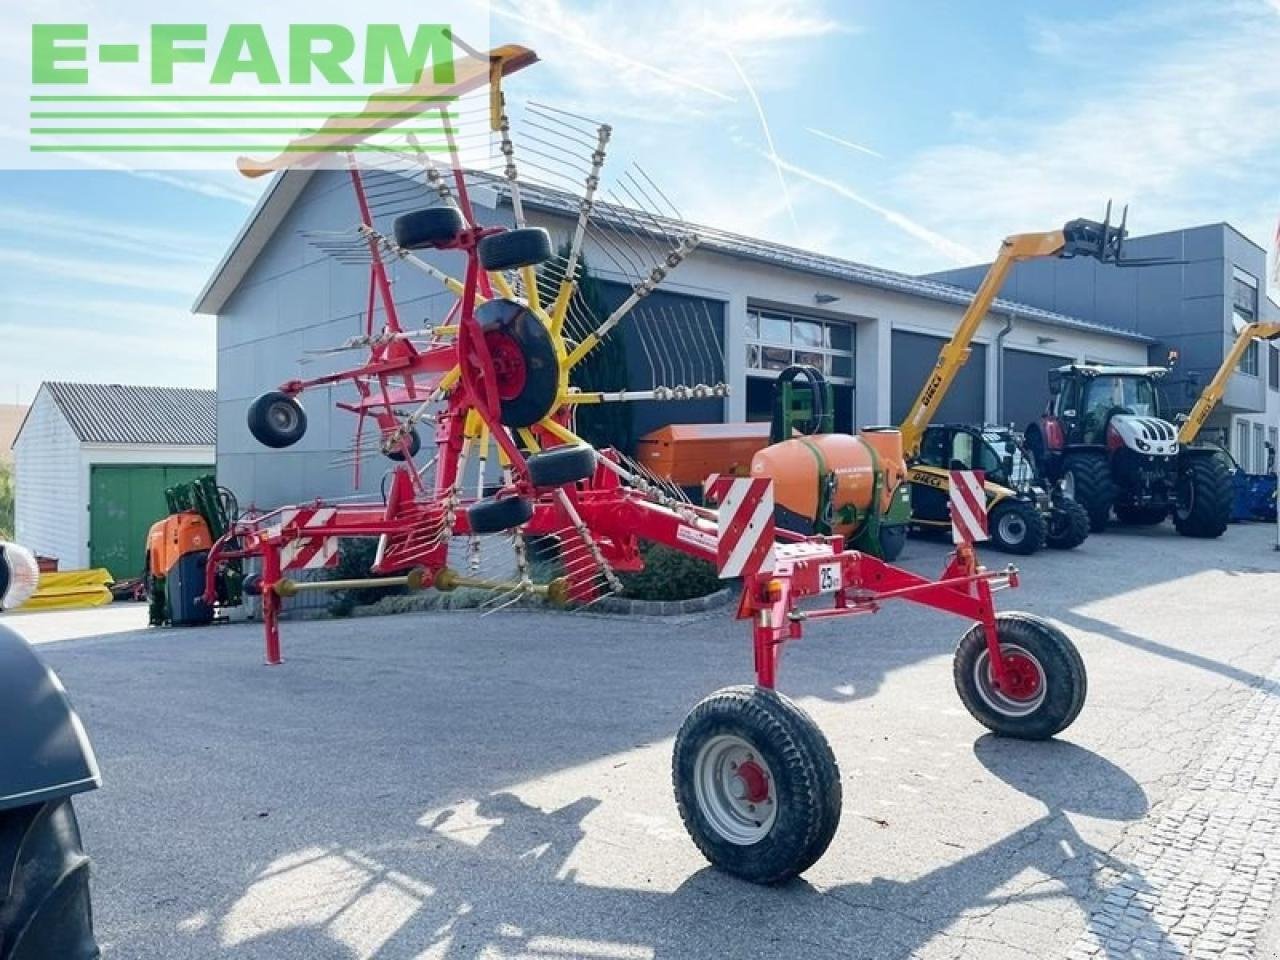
92 462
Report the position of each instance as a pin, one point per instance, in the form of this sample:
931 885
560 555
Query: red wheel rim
754 782
508 363
1022 679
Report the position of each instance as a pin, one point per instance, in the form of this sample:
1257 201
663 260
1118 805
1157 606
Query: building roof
120 414
287 186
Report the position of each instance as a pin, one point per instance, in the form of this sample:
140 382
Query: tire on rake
44 884
561 465
1047 678
495 514
277 420
432 227
396 453
513 249
756 784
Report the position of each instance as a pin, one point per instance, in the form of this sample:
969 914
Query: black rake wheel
498 513
1068 525
512 249
432 227
756 784
396 453
1046 678
44 885
561 465
277 420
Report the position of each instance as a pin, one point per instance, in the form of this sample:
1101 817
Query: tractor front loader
1025 512
1103 437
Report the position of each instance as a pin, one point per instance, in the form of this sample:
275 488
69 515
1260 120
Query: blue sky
960 122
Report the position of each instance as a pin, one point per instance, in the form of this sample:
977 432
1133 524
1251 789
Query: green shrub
6 501
669 574
355 557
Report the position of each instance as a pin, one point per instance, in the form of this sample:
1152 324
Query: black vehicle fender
44 752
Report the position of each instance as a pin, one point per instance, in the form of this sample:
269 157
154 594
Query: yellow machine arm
1218 385
954 353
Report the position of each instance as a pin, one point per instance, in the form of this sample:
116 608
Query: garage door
914 357
124 501
1026 385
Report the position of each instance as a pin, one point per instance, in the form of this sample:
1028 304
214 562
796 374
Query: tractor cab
996 451
1085 400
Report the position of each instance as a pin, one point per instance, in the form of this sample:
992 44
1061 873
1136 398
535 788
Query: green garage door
124 501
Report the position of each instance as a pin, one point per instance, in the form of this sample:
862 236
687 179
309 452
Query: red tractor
1103 437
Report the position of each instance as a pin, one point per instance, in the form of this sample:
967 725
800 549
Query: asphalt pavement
456 786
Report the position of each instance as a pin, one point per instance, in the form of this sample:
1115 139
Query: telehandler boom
1212 393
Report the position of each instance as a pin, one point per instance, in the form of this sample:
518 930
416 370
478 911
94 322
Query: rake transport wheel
1068 525
524 361
1046 678
432 227
513 249
277 420
1086 479
396 453
1016 527
495 514
756 784
44 885
561 465
1204 493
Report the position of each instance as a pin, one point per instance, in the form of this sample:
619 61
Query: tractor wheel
756 784
44 885
1047 678
277 420
1204 498
1068 525
1133 516
495 514
433 227
561 465
524 361
396 453
1086 479
514 249
893 538
1016 526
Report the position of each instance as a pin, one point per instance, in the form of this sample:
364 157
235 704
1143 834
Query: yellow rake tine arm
530 279
500 284
560 309
561 432
527 435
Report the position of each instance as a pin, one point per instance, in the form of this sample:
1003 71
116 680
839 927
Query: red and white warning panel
306 553
745 517
968 506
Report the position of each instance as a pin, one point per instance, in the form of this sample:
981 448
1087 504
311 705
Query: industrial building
281 301
1192 289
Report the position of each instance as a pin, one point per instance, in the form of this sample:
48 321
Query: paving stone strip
1202 871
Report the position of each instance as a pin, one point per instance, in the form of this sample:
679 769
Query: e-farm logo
240 89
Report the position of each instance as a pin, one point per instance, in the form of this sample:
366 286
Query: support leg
271 603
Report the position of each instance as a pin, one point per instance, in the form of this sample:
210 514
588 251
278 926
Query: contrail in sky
843 142
768 137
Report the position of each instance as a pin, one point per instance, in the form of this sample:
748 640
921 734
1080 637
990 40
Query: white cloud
1176 139
53 227
137 275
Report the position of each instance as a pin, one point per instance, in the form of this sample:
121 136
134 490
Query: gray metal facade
1025 385
914 355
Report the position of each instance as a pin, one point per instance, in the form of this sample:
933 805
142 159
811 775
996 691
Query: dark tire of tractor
396 453
1203 509
1064 677
432 227
1016 526
893 538
1134 516
561 465
495 514
806 780
1094 490
513 249
44 885
1068 526
277 420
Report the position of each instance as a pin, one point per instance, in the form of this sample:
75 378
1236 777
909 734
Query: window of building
1241 452
1273 438
1249 359
777 340
1259 449
1273 366
1244 308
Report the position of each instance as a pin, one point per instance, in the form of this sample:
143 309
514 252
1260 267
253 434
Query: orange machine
687 453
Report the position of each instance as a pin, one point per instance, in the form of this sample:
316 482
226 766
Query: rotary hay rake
756 782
